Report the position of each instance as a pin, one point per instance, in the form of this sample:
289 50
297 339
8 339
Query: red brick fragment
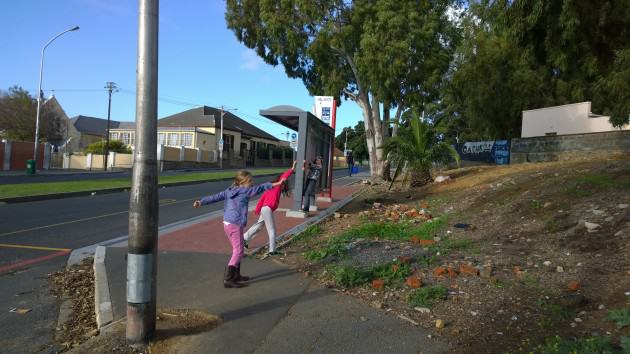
378 283
404 259
452 273
575 286
414 282
439 271
468 270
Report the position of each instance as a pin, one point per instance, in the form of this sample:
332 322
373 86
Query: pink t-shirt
271 198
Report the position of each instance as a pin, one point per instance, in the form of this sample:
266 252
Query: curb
102 300
289 234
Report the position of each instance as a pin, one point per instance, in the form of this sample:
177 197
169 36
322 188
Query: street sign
293 140
220 144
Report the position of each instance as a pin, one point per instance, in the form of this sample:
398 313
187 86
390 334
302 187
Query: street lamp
39 91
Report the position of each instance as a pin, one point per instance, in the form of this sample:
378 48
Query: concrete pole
143 201
221 142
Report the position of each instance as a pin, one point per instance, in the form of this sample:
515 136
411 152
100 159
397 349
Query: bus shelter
315 138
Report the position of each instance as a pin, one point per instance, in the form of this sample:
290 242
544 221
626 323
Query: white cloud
250 61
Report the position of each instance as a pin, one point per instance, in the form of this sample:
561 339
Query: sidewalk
281 311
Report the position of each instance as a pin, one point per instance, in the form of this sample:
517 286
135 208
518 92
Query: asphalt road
37 237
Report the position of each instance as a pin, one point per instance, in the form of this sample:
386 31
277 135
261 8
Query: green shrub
347 276
390 272
557 345
620 317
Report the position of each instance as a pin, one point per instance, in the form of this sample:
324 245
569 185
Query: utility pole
111 87
143 199
345 145
221 141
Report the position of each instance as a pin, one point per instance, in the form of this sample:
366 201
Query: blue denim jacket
236 202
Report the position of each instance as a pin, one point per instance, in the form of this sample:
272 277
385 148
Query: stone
377 205
378 283
442 179
486 272
609 219
363 318
601 307
577 320
468 270
574 285
592 227
439 324
378 304
414 282
422 310
547 204
547 263
597 212
622 206
338 215
559 269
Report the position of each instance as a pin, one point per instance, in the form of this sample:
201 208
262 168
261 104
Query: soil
537 270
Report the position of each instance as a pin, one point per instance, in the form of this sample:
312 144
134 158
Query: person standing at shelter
267 204
349 161
235 209
314 173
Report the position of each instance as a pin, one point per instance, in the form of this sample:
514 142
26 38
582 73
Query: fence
13 155
171 158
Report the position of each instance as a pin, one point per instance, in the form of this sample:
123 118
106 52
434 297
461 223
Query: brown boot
238 276
229 280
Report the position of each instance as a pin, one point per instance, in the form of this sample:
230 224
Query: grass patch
587 185
449 244
351 276
308 233
620 317
500 284
427 296
31 189
347 276
602 344
338 245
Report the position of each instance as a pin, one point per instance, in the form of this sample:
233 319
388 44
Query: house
199 128
575 118
88 130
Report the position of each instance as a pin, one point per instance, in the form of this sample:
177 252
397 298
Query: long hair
242 178
284 187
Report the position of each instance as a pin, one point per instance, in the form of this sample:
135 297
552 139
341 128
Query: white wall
563 120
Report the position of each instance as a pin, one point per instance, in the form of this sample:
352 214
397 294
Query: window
173 139
187 139
161 138
124 137
228 142
133 138
113 136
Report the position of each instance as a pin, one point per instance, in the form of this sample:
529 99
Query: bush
114 145
557 345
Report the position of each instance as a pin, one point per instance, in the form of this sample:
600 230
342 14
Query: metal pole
39 89
221 142
143 201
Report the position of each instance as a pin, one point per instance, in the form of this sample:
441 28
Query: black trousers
309 191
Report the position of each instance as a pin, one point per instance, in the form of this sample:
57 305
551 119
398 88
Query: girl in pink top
267 204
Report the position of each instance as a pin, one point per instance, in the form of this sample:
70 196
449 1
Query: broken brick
414 282
439 271
468 270
517 269
404 259
451 272
378 283
575 286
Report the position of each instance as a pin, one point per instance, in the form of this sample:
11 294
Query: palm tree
415 149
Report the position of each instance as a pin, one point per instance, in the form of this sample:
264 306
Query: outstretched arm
253 191
209 199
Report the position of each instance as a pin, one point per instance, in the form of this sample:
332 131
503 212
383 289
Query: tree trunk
420 177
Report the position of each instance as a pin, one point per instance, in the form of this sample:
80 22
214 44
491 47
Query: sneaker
246 244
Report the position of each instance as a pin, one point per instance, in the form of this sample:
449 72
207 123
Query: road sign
220 144
293 140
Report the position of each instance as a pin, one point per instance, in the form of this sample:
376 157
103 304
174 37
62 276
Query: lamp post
39 91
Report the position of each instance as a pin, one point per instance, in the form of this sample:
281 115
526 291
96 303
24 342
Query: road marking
6 245
31 261
166 202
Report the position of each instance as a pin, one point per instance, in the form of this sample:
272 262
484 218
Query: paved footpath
280 311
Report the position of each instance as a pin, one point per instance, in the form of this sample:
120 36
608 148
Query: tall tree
372 52
18 111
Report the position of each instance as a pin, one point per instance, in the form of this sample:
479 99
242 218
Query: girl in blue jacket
235 209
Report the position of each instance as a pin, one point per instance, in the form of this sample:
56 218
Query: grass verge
32 189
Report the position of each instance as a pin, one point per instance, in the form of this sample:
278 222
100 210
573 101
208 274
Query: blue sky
200 60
